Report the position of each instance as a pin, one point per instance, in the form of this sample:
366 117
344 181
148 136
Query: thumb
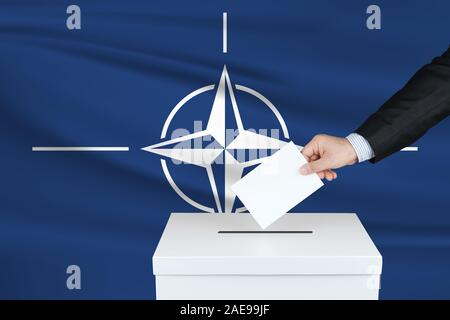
314 166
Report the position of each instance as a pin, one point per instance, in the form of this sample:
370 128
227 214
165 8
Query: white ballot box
300 256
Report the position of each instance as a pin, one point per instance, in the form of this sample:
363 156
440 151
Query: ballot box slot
263 231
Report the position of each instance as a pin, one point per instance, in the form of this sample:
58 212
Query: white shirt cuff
362 147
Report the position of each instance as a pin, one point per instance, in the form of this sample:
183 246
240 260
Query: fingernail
304 170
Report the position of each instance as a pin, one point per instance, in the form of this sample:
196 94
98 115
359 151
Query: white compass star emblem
216 128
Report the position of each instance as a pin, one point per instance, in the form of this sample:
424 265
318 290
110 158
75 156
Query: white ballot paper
276 185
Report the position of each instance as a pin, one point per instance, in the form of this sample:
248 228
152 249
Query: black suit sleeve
406 116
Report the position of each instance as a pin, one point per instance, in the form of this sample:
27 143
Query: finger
314 157
308 150
315 166
332 172
321 174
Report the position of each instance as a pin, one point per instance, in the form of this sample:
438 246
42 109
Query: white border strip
51 149
410 149
225 32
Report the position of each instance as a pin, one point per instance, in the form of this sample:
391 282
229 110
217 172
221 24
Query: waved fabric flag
131 80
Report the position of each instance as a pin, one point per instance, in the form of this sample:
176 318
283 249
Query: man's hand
324 153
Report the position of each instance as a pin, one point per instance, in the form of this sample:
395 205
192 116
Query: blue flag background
114 82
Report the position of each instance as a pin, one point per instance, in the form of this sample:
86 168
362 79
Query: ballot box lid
298 243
